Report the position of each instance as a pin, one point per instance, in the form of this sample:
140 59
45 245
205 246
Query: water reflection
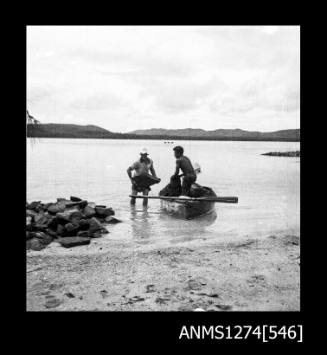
142 224
154 225
181 230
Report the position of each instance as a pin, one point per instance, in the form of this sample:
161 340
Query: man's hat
144 151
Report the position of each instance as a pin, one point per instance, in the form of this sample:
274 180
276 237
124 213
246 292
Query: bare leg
145 200
133 199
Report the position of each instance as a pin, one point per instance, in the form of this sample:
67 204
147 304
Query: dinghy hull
187 209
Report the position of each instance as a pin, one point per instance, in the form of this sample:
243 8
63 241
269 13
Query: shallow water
268 188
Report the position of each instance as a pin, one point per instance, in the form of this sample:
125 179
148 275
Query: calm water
268 188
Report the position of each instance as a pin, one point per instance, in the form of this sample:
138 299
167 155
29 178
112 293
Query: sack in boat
200 191
174 188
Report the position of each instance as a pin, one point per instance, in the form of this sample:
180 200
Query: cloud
97 101
209 76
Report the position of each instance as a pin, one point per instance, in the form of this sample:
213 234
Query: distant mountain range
56 130
293 134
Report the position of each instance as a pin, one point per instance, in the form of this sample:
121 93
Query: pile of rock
71 222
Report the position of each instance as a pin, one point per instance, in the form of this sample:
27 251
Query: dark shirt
185 165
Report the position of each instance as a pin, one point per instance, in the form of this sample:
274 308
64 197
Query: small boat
189 209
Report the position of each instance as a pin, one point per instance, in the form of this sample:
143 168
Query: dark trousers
188 180
135 192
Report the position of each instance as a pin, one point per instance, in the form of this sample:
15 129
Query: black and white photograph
163 168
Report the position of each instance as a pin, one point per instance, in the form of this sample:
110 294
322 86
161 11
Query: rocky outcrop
284 154
71 222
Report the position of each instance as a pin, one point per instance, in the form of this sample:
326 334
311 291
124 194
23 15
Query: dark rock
36 227
104 211
60 199
95 234
69 242
47 205
104 231
53 209
224 307
80 204
95 224
75 199
35 205
35 244
59 206
30 213
40 218
112 220
70 295
66 216
89 211
60 230
83 224
71 227
53 223
44 238
76 216
83 234
50 232
39 208
29 227
52 303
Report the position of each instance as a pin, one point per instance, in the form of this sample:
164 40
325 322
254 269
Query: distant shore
251 275
54 130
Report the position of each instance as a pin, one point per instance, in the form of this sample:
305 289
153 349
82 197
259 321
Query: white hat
197 167
144 151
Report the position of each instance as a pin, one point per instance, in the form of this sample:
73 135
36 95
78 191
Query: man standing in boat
142 166
184 163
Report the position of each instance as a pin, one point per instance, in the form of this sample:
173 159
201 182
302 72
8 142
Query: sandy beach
250 275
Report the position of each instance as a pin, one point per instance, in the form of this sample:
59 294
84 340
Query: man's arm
129 171
178 165
153 171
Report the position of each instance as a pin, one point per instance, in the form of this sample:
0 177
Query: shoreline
250 275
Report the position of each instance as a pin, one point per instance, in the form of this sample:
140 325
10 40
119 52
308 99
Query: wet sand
250 275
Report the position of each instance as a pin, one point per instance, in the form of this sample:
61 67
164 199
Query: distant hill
235 134
56 130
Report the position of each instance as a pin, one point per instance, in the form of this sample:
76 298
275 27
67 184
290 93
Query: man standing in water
184 163
142 166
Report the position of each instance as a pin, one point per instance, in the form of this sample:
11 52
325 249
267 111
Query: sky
124 78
